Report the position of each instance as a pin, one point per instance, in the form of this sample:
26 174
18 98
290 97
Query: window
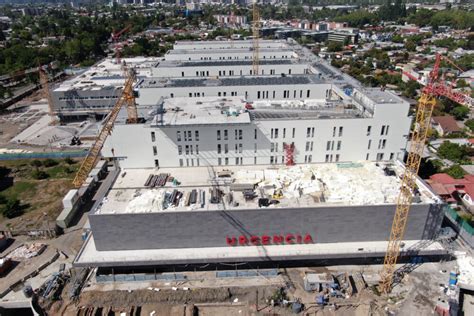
328 145
153 136
337 157
255 147
255 134
276 147
308 93
327 158
367 156
191 147
392 155
384 142
197 149
271 160
235 148
272 147
226 148
218 148
219 161
382 131
180 162
186 150
380 156
236 160
226 135
196 135
386 130
178 136
190 136
308 132
293 133
185 136
276 132
155 151
218 94
218 135
284 132
240 148
190 94
180 150
332 147
338 145
226 161
340 131
369 128
182 73
307 146
370 142
157 164
254 160
271 133
197 162
240 134
312 132
334 131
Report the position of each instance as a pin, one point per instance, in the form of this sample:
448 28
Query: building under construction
264 169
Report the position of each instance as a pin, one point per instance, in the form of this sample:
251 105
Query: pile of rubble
26 252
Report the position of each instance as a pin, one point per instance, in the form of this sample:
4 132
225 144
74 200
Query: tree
334 47
460 112
470 124
12 208
462 83
36 163
39 175
452 151
455 171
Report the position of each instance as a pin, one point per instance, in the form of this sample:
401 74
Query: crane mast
256 34
426 104
93 155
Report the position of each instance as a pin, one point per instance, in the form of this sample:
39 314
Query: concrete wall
192 45
227 70
210 228
150 96
134 146
228 54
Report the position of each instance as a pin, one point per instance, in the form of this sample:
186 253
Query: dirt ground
41 200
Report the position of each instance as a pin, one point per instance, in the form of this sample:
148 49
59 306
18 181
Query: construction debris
26 252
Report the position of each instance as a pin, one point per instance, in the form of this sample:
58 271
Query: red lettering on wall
231 241
255 240
277 239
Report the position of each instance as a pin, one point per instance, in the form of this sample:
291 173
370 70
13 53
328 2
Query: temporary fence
139 277
246 273
464 224
43 155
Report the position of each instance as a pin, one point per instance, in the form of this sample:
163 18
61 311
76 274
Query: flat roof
202 111
229 81
90 256
236 50
308 185
232 62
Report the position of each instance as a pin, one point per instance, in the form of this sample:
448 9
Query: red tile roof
447 123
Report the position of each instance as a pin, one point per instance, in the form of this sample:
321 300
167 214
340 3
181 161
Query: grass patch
62 171
20 190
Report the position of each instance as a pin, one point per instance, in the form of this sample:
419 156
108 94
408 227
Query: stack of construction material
26 252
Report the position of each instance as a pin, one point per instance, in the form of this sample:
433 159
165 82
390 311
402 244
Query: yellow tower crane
127 97
256 34
434 88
